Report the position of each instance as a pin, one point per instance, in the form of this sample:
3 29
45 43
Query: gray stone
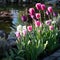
50 58
2 33
58 58
3 47
12 41
56 54
58 51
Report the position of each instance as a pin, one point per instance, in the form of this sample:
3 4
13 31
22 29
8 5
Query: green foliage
34 43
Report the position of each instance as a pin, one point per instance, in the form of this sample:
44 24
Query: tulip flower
31 11
29 28
24 32
19 28
38 15
51 27
23 18
43 7
24 27
48 22
38 6
50 9
17 34
38 23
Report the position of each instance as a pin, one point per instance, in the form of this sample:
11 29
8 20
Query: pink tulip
48 22
17 34
38 6
51 27
38 23
43 7
24 32
31 11
38 15
29 28
50 9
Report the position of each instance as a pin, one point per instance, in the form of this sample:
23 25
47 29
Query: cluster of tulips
34 39
23 30
42 9
36 19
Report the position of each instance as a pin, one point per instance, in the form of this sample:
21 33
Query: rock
50 58
2 34
3 47
6 45
58 58
56 54
12 41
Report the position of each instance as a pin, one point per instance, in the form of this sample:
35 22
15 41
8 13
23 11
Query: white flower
48 22
24 27
20 29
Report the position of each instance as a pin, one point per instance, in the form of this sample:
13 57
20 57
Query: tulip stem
44 15
51 16
40 12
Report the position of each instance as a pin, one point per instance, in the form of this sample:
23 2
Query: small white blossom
24 27
20 29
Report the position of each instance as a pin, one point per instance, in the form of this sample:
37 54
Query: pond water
8 26
15 13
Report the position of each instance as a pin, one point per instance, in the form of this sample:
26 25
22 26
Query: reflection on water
15 16
7 24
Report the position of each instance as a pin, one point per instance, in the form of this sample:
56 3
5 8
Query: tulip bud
24 32
23 18
29 28
17 34
38 6
38 15
51 27
43 7
31 11
50 9
38 23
